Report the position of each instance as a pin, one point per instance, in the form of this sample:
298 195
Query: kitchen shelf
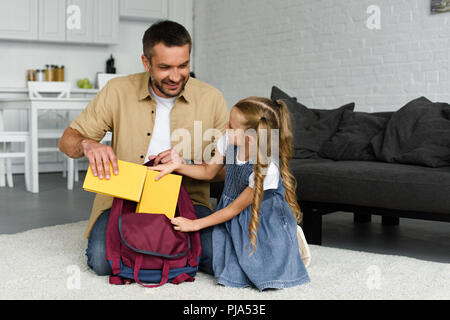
25 90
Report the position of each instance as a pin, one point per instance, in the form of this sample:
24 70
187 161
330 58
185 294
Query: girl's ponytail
260 171
285 156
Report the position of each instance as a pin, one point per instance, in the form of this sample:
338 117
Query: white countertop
45 99
25 90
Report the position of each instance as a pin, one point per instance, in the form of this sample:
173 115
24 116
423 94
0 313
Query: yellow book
126 185
160 197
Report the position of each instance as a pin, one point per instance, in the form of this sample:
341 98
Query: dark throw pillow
352 140
311 128
388 144
429 144
418 133
277 93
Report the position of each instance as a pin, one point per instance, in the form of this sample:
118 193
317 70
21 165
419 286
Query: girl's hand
183 224
164 169
166 156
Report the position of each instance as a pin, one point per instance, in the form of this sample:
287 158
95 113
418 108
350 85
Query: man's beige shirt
126 107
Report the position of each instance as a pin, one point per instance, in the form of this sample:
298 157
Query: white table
33 106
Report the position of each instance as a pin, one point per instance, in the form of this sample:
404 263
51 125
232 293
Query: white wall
322 52
80 60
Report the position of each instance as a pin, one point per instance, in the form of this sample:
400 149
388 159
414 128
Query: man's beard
161 89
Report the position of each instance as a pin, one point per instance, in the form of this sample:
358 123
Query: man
142 111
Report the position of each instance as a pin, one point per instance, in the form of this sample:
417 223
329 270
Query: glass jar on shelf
48 73
31 75
59 73
40 75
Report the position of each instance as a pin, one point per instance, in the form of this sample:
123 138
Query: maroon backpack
145 248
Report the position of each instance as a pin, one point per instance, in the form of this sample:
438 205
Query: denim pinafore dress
276 262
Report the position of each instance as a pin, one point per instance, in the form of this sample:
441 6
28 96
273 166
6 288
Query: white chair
7 137
57 90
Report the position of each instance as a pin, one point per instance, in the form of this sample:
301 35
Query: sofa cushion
353 136
429 144
418 133
374 184
277 93
311 128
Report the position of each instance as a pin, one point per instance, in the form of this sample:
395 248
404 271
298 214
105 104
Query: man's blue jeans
96 249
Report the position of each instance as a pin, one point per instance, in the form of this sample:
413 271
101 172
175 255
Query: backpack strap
181 278
137 267
119 280
112 235
191 259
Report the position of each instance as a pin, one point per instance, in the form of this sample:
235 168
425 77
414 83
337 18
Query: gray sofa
366 188
393 164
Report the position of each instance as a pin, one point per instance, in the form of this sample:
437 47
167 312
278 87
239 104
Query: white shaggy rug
50 263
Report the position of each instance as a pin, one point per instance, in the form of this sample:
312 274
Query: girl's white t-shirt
273 173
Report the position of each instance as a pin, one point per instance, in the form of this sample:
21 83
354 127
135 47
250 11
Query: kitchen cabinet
84 21
152 10
51 16
18 19
144 10
106 22
91 21
81 21
180 11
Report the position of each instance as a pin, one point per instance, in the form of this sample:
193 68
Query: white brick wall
322 52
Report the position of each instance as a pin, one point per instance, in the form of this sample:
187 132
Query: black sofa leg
361 217
390 221
312 226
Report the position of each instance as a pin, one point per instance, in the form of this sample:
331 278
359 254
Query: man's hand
169 155
184 225
99 156
73 144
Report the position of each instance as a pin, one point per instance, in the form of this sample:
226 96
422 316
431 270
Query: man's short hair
168 32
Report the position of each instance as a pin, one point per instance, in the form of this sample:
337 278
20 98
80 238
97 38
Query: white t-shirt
273 173
160 140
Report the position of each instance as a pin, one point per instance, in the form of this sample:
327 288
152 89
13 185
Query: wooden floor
426 240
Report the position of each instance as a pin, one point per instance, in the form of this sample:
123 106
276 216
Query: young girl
255 226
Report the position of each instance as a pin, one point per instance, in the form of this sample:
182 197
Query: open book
136 183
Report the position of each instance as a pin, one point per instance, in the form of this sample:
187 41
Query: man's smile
173 86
